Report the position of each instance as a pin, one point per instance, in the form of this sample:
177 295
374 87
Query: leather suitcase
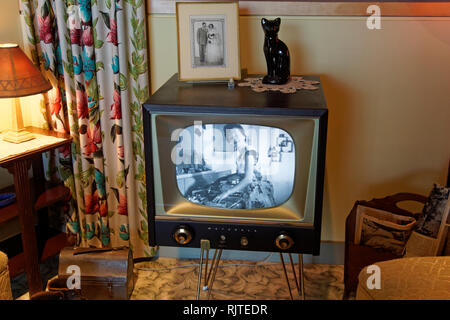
105 273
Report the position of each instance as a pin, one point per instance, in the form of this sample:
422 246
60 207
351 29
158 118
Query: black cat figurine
276 52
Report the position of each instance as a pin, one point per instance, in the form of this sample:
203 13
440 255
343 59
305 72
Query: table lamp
19 77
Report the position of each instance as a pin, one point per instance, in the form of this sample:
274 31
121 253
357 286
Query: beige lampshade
19 77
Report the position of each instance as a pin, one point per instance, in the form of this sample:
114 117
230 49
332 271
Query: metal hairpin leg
300 283
301 275
214 274
203 247
208 274
208 281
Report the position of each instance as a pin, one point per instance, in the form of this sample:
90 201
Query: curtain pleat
95 55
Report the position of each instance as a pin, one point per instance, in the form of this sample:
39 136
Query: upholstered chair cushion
5 282
418 278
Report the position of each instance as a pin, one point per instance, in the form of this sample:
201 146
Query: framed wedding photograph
208 41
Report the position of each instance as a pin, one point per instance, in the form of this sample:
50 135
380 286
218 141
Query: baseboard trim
330 253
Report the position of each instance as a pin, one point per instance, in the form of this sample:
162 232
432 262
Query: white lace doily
294 84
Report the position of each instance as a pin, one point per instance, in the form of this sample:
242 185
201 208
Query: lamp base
18 136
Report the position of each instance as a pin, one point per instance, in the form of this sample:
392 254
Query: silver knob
284 242
244 241
182 235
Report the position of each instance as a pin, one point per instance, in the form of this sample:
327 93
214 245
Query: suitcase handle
96 250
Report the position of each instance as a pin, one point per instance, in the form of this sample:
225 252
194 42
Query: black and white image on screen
235 166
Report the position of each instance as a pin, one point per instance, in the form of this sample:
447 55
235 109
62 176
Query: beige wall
387 92
10 30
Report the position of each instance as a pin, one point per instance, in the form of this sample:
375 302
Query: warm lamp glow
19 77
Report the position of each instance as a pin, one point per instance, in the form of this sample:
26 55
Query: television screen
235 166
211 166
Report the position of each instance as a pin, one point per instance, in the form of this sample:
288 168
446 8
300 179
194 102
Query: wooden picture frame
208 41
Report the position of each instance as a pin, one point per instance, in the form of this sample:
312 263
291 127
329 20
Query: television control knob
244 241
284 242
182 235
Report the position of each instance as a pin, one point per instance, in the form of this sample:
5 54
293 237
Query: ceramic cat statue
276 53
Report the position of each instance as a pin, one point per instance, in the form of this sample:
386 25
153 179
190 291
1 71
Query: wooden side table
18 158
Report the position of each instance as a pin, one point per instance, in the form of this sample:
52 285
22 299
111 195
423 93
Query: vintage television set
242 169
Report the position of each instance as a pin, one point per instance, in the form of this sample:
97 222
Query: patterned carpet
164 279
175 279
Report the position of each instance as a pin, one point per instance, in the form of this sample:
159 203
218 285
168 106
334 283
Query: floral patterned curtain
95 54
